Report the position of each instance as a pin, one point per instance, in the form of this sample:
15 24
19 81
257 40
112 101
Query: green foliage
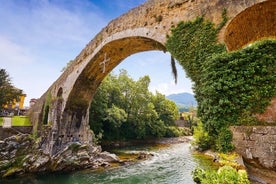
166 109
224 19
226 85
198 175
237 85
1 121
7 91
125 109
223 142
46 109
116 116
225 174
201 138
192 43
174 131
67 65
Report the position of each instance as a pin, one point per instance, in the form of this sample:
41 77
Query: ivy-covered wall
230 87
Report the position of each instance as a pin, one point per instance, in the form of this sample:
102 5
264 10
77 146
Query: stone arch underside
254 23
95 71
76 113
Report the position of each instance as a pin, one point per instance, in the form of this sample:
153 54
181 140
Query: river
172 164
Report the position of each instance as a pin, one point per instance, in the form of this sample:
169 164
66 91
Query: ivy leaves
192 43
227 85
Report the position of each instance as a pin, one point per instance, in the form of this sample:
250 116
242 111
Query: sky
39 37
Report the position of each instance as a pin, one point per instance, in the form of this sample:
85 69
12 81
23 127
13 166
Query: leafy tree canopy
125 109
7 91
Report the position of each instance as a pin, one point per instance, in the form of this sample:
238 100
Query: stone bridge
61 115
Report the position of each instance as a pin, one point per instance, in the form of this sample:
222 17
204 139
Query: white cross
104 62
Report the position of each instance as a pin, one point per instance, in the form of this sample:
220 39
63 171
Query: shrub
173 131
223 141
225 174
202 140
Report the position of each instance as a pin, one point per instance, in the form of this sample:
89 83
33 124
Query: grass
1 121
21 121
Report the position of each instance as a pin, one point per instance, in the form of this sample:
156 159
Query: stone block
260 144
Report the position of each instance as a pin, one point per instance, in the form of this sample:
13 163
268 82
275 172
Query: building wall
15 102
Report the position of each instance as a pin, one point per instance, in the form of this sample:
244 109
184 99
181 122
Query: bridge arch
75 112
252 24
143 28
104 61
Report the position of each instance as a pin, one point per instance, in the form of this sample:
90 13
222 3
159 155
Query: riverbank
169 164
261 175
21 154
156 141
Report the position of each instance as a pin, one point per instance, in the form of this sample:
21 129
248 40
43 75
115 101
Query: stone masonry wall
256 144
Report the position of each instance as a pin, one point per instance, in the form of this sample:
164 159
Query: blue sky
38 38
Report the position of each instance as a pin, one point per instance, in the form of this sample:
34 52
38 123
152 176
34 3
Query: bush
225 174
198 174
173 131
202 140
223 141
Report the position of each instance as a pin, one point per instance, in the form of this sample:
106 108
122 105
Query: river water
171 165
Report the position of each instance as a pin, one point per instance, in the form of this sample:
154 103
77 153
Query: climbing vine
192 43
227 86
46 108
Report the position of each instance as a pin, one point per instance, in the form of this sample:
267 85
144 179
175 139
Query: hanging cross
104 62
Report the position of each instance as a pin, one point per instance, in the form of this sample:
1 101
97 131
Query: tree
125 109
8 93
166 109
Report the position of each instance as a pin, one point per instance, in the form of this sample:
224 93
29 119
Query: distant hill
183 99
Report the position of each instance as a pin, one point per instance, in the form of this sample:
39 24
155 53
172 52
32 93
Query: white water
171 165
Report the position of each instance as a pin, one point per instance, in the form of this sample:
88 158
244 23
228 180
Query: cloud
156 64
13 54
170 87
53 24
38 38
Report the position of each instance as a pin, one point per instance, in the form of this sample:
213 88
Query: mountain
183 99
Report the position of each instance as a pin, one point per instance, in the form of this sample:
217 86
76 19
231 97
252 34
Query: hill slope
183 99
